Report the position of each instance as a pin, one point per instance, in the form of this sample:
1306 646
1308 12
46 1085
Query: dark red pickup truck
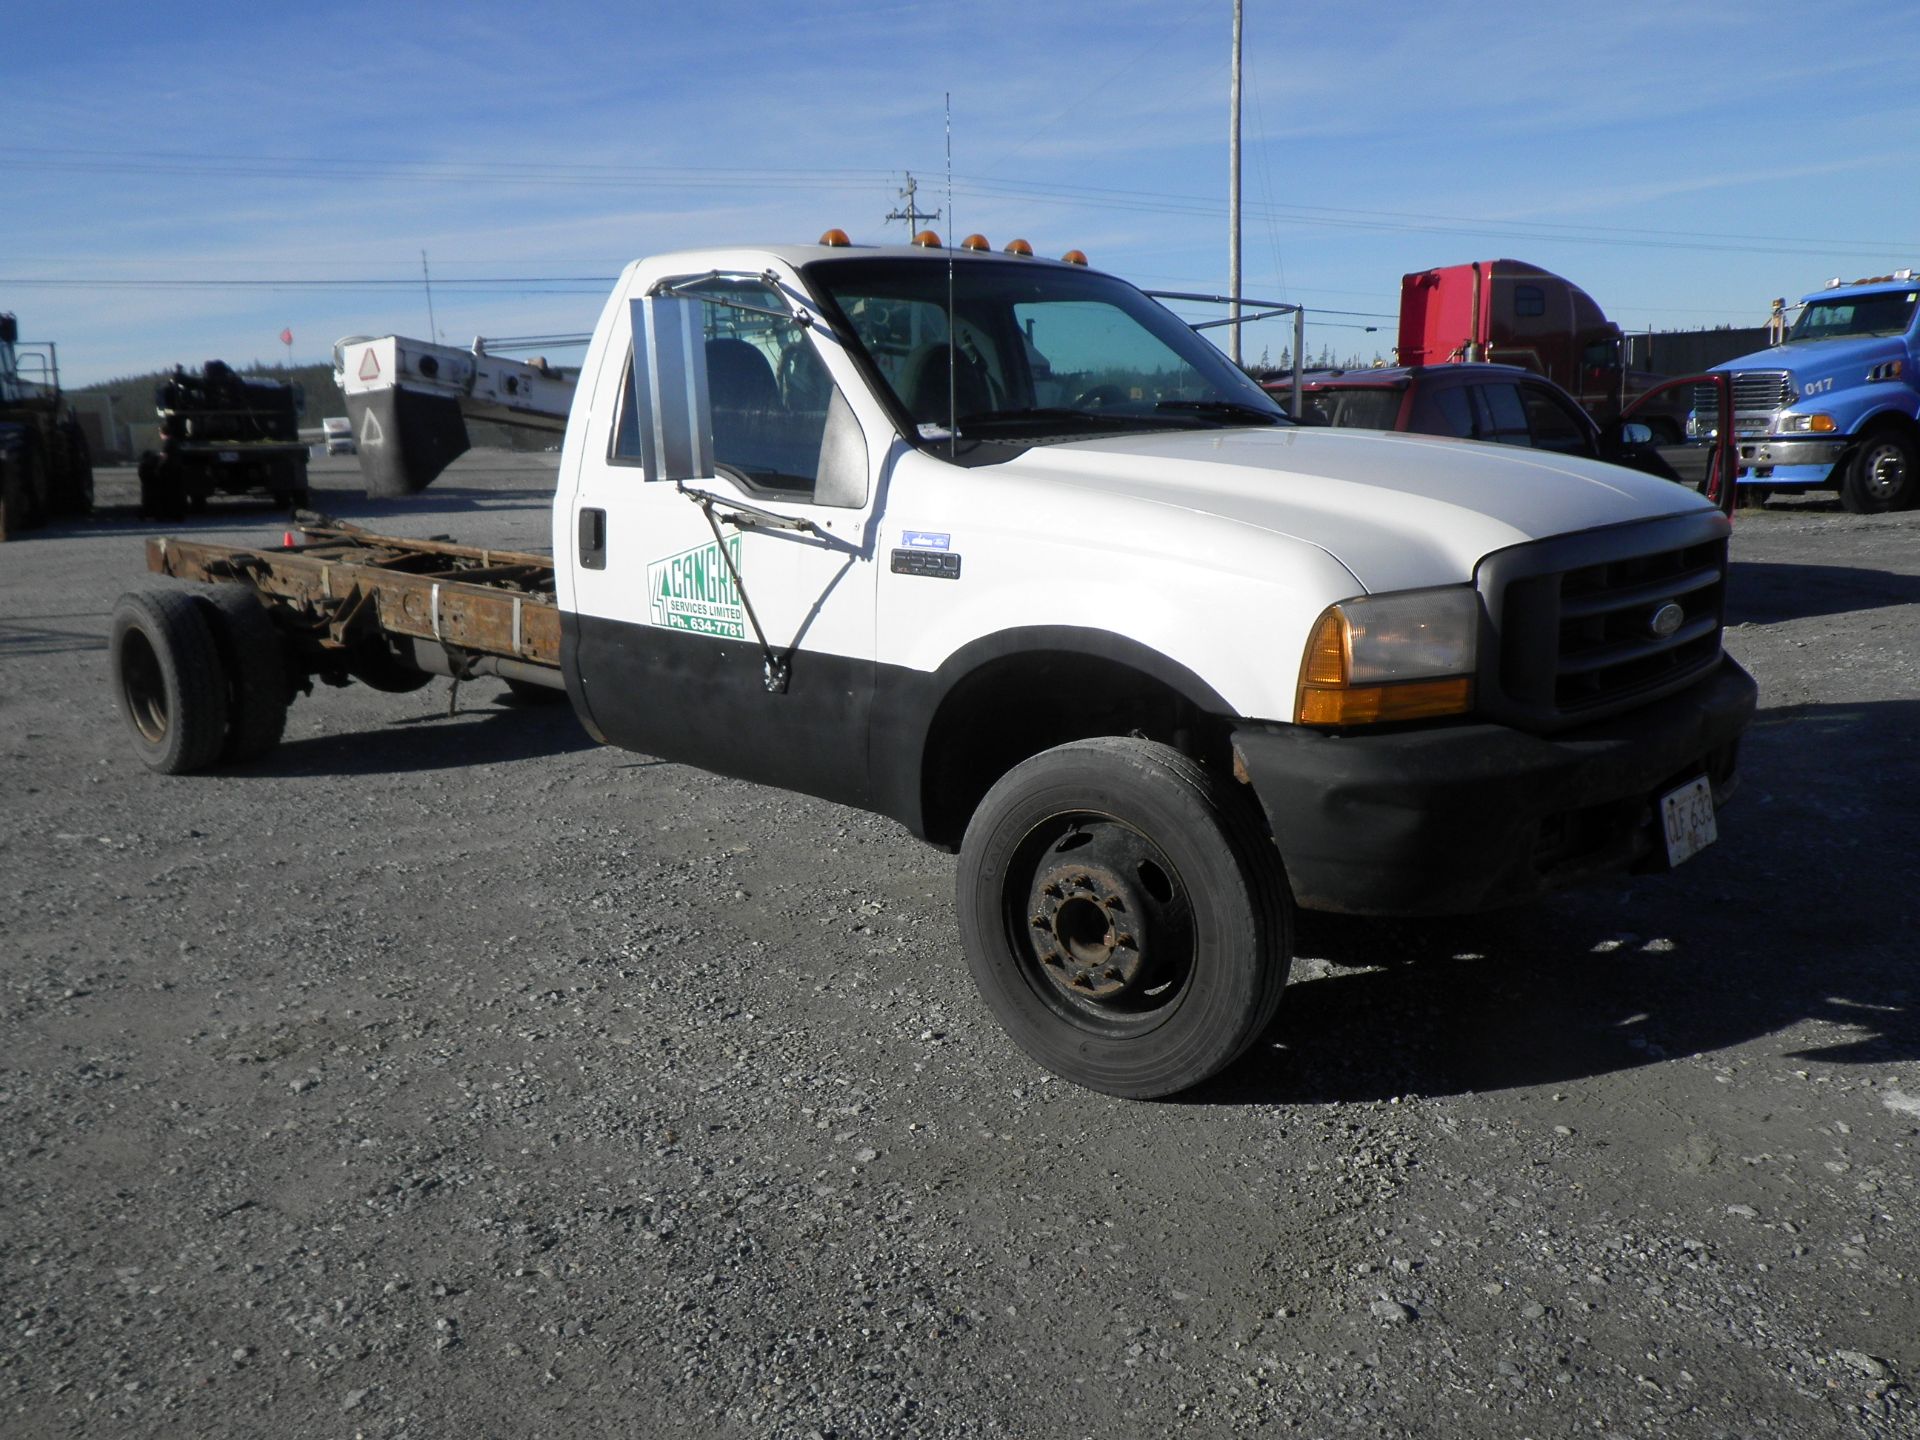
1500 404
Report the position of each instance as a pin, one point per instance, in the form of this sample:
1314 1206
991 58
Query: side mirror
1633 434
670 389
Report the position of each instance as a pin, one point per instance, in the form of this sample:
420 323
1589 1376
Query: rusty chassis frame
457 610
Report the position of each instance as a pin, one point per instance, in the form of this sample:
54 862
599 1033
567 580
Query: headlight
1378 658
1788 423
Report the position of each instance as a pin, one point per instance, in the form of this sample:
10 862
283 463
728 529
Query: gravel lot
452 1076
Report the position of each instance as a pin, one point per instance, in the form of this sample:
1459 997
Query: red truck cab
1513 313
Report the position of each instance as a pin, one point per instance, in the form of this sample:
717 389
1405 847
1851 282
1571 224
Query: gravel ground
450 1075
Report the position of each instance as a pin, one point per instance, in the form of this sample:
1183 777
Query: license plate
1686 815
230 457
1750 427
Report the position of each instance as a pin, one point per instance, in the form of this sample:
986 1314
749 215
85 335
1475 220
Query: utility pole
913 215
1233 196
427 280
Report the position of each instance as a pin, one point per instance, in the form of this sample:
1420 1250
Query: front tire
168 679
1884 474
1123 916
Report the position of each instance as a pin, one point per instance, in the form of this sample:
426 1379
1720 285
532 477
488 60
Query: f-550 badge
934 564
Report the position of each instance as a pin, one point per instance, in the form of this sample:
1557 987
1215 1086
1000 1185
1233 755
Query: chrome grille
1706 408
1762 390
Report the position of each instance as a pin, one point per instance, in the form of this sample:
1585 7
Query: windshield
1036 351
1888 313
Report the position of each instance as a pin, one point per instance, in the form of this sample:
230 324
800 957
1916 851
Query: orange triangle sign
369 365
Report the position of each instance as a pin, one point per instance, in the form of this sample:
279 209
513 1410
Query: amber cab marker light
835 238
927 240
1019 247
975 242
1075 257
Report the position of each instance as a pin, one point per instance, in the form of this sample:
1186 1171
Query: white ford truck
997 546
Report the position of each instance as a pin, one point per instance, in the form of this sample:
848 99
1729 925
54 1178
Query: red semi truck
1513 313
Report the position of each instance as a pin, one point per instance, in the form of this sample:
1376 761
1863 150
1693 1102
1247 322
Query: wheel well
1894 420
1020 705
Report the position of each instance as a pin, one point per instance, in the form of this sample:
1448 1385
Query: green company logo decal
694 591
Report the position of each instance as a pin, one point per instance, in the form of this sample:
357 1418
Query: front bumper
1455 819
1767 453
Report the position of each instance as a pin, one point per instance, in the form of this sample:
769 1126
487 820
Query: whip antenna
953 402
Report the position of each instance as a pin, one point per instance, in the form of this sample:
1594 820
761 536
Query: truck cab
996 546
1837 404
1512 313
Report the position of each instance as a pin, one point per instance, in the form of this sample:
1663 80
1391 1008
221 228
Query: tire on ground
76 478
255 661
162 489
168 680
1124 915
1882 474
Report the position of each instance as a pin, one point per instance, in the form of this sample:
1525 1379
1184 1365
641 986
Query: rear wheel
168 679
162 487
27 484
1123 916
76 476
1883 475
255 662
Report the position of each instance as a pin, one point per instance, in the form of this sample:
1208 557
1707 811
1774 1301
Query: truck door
726 620
1643 437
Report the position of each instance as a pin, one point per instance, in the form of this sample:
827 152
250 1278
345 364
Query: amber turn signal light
1381 704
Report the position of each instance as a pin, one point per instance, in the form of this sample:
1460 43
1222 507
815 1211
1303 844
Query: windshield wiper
1230 409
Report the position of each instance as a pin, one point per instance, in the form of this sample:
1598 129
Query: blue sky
184 181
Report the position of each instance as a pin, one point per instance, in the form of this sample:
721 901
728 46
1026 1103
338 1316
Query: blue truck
1837 403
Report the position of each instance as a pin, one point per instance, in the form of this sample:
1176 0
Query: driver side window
769 395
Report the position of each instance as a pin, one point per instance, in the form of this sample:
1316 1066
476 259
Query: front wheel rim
1100 923
1886 471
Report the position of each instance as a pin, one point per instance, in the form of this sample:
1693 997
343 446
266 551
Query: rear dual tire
168 680
255 660
1124 916
199 677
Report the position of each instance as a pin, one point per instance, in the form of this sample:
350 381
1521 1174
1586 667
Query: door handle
593 539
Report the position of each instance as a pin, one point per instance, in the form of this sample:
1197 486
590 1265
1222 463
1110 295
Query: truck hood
1399 511
1844 361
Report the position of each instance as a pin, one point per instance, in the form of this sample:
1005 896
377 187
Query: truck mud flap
406 439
